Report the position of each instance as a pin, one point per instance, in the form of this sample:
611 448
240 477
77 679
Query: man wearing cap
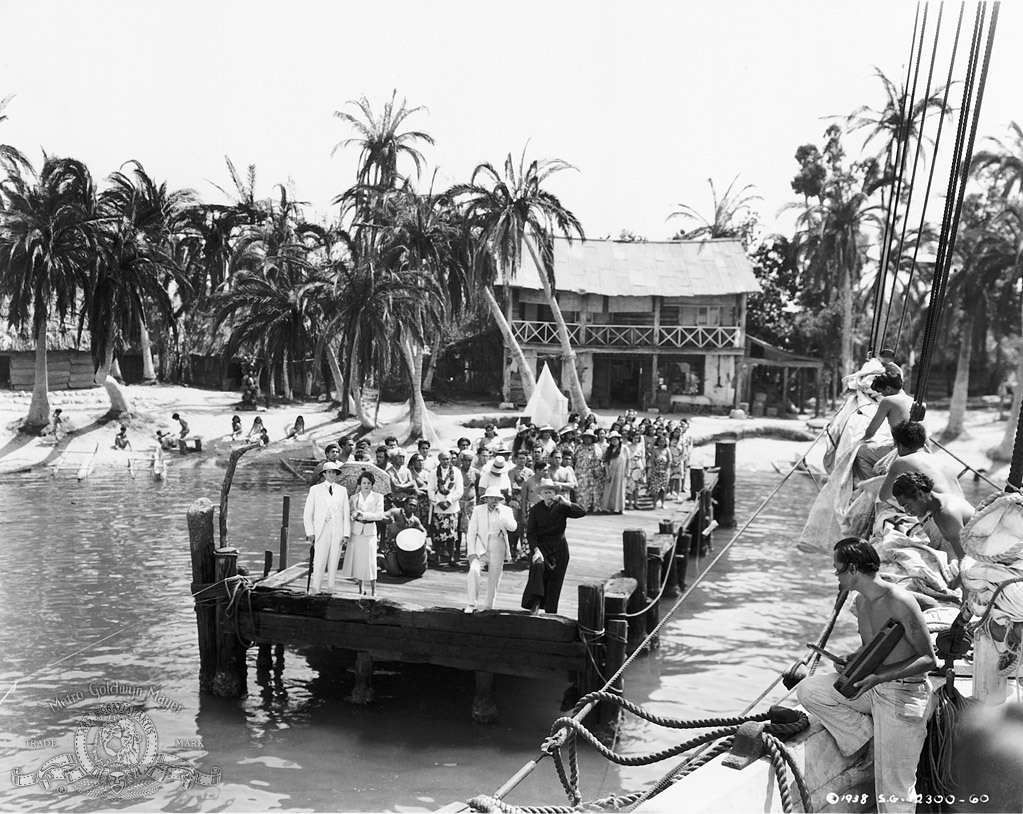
545 531
328 525
487 543
495 473
332 452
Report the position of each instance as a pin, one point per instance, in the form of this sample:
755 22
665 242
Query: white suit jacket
373 510
318 505
483 522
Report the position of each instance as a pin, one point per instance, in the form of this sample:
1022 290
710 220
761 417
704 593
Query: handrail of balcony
605 335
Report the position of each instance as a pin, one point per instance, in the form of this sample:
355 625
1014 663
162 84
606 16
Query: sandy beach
208 413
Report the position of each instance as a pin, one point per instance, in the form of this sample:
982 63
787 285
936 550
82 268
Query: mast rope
930 176
899 167
901 149
913 174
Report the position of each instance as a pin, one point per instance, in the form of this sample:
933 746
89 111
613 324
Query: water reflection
95 590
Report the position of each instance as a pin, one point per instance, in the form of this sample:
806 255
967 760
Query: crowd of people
580 468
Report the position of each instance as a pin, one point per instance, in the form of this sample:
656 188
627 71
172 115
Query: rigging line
967 158
902 136
941 263
530 765
930 176
912 178
976 472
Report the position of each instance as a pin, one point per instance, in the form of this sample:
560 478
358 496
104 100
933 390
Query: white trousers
326 551
894 714
497 549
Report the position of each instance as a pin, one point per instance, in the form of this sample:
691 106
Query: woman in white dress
361 557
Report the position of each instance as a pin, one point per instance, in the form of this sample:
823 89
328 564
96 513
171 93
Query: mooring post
484 707
724 491
989 688
696 481
229 680
653 588
204 573
615 639
683 548
285 530
591 631
634 555
671 582
362 692
706 515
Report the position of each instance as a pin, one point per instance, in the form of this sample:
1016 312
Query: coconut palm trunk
432 369
335 372
1003 452
146 346
419 418
568 355
526 373
39 408
286 389
961 387
355 388
119 400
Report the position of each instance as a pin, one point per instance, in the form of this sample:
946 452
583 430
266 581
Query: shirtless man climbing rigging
894 407
911 441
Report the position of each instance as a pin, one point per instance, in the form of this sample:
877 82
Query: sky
647 100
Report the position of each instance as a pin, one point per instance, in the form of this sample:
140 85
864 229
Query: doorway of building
618 380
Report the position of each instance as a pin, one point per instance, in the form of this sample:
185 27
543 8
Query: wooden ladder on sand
76 461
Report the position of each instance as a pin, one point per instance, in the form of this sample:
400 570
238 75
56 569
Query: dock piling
229 680
634 555
285 531
362 693
484 707
653 586
724 489
200 538
591 631
616 639
683 548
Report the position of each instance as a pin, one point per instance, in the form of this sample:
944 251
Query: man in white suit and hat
328 525
487 544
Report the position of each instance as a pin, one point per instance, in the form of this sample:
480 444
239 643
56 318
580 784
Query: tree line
135 263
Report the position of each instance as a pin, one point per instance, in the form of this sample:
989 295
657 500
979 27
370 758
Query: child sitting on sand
298 429
236 427
257 428
121 439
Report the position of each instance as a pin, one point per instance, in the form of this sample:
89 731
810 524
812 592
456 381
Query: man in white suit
328 525
487 543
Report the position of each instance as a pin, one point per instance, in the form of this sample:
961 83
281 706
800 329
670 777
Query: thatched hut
69 363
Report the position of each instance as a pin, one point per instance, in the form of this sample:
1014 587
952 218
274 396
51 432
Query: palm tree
149 219
512 211
10 157
274 289
47 246
732 215
1004 160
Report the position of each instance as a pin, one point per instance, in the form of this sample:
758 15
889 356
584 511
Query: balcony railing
529 332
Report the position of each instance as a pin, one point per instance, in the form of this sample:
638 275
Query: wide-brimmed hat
546 428
498 464
614 434
494 491
547 483
588 433
330 466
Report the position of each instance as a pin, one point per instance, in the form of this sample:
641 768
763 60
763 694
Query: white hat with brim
547 483
494 491
330 466
498 464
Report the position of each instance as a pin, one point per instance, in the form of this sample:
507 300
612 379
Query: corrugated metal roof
614 268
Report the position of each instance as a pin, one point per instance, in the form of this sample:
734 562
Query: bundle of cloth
832 513
993 541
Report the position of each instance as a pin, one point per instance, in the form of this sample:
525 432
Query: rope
940 267
781 758
1015 480
901 142
916 160
666 572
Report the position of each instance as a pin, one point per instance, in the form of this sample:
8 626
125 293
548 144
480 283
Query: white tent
548 405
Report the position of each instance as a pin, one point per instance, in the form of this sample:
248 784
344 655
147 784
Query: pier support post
615 639
285 530
229 680
696 481
591 631
362 693
484 707
724 491
653 583
683 548
634 555
200 539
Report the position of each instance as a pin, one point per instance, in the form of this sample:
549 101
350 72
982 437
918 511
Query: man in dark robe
545 532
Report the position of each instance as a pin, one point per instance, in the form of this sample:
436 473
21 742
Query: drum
411 545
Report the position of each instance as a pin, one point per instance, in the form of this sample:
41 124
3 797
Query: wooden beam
200 540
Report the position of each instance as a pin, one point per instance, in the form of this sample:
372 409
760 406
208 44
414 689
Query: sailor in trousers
327 525
487 544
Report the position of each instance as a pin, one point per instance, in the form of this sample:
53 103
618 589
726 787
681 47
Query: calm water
95 590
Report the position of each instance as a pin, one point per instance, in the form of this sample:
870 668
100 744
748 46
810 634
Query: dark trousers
555 554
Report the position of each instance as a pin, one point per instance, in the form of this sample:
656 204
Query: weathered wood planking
595 544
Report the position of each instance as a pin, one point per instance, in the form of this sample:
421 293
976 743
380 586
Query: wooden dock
618 564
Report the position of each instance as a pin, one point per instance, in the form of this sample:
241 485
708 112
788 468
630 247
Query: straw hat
498 464
330 466
588 433
547 483
494 491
